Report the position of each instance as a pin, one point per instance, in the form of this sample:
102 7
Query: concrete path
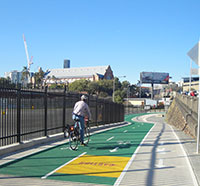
161 159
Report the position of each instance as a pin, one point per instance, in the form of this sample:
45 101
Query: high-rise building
15 76
66 63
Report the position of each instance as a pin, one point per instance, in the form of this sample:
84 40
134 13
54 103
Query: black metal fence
29 114
140 109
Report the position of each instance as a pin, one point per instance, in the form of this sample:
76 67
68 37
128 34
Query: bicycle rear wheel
73 139
87 134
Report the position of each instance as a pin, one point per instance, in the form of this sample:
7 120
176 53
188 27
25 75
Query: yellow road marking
104 166
52 172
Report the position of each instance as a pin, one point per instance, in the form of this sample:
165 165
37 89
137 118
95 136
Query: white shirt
81 108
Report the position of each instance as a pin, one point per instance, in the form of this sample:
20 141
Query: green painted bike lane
102 162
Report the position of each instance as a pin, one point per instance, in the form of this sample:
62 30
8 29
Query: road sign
194 53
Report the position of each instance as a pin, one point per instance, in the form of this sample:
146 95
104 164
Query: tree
117 83
103 88
6 82
93 88
133 91
125 84
39 77
79 86
25 75
119 96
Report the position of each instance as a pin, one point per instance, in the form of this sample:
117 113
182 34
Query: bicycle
73 133
87 131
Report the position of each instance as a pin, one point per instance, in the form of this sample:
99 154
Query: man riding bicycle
81 110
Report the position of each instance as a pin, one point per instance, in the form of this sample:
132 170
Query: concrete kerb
28 144
189 145
12 152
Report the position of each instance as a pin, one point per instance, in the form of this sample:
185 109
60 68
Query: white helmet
83 97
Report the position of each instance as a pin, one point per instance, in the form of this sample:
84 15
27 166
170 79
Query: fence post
45 111
113 113
96 119
19 114
104 112
64 106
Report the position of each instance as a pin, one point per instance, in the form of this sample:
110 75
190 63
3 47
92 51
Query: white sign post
194 54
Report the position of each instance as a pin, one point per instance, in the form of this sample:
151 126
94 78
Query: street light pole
113 96
194 54
128 94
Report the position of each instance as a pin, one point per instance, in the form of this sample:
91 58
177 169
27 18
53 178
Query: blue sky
129 35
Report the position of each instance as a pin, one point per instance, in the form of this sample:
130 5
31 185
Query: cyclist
81 110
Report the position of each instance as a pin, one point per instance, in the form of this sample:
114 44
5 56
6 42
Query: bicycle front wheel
87 134
66 134
73 140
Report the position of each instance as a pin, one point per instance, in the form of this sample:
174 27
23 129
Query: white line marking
186 157
144 118
162 143
110 138
64 148
125 131
114 150
119 179
160 164
50 173
85 140
120 142
161 151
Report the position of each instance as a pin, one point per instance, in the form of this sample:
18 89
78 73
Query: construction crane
29 61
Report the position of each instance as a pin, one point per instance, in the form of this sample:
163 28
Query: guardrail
190 101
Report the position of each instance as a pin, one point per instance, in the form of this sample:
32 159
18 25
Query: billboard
154 77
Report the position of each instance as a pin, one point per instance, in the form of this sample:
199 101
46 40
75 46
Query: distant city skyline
131 36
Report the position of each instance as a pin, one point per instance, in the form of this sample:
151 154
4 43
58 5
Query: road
145 152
